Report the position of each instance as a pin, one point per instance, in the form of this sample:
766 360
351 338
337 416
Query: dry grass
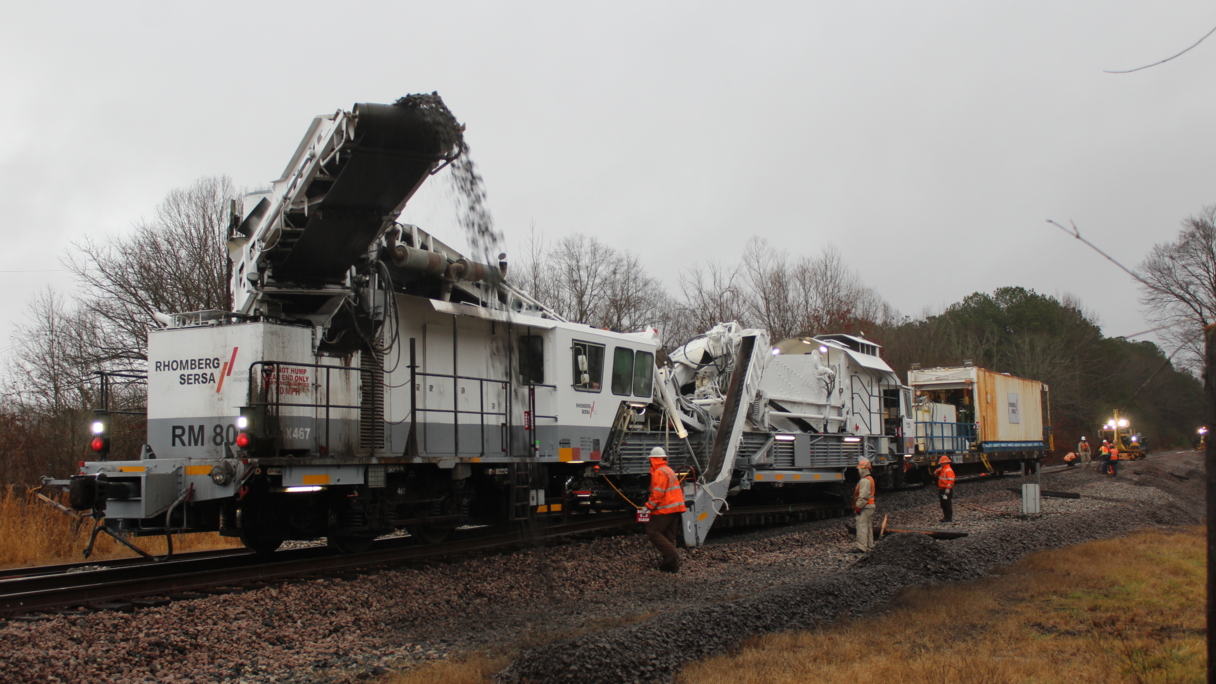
475 668
1123 610
1127 610
33 532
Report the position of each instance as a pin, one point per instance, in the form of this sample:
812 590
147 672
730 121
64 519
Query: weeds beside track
33 532
1119 610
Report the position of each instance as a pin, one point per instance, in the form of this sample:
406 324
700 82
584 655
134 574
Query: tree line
177 261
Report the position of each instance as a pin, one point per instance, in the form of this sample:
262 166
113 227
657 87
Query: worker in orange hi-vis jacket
945 488
863 506
665 505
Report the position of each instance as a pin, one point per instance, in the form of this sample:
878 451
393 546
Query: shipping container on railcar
984 420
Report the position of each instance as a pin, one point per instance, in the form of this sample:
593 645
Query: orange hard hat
944 459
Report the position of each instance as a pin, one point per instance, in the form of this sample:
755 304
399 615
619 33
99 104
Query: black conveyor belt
393 150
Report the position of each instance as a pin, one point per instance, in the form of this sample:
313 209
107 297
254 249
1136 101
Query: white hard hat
658 452
863 463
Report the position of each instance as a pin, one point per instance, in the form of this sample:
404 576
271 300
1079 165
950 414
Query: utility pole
1209 391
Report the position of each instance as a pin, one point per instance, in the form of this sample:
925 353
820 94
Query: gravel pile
591 610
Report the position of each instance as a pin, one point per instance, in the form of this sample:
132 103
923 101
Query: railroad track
65 568
125 584
125 587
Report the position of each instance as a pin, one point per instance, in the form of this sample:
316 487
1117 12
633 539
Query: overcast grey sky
929 141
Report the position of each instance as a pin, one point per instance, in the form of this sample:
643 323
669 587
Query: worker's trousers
946 496
865 529
661 530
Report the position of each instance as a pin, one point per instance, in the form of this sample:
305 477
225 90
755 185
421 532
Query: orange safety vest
857 491
945 477
666 493
1114 453
1105 451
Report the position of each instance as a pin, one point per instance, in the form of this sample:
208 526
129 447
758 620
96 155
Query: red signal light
98 444
242 440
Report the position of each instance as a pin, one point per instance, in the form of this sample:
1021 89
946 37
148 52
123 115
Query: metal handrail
106 383
255 388
944 436
259 397
455 412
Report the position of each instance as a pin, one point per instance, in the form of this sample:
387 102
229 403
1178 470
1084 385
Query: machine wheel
252 532
350 543
428 534
260 543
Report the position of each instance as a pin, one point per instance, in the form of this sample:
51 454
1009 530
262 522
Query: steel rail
111 563
50 582
18 600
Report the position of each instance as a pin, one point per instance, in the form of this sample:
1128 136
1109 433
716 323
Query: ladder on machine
521 492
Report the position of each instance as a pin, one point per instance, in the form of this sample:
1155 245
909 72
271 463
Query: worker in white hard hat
863 506
1084 451
665 505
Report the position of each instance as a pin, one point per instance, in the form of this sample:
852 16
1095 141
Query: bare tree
769 289
585 267
712 294
1179 284
49 365
587 281
49 390
177 261
809 296
532 271
632 299
829 296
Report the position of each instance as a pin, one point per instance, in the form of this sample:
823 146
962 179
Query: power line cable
1076 233
1145 332
1205 37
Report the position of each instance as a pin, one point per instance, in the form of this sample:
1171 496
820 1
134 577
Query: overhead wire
1167 59
1076 233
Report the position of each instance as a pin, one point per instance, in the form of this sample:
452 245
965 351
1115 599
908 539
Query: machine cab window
531 360
643 374
588 366
632 372
622 371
